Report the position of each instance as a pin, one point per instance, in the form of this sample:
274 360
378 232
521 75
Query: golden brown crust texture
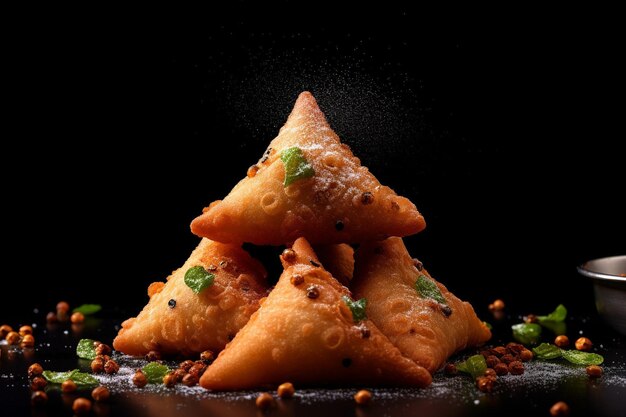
197 322
341 203
385 274
309 340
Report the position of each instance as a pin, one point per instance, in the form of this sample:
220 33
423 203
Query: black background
505 134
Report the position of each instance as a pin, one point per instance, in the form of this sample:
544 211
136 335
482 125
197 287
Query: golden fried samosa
202 305
305 333
338 260
418 314
308 184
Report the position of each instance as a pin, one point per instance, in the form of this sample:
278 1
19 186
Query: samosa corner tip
306 107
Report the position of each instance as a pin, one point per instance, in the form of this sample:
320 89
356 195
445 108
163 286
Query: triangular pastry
308 184
407 311
338 260
305 333
179 320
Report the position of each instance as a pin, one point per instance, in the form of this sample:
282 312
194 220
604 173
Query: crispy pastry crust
341 203
309 341
385 274
197 322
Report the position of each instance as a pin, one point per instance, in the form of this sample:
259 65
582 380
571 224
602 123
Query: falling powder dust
379 117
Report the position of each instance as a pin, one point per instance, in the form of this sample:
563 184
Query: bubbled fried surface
198 322
385 274
260 210
309 342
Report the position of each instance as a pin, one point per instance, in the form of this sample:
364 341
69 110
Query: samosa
418 314
202 305
310 332
338 260
308 184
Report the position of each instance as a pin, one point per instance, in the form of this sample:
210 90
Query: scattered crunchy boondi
81 406
153 355
264 401
584 344
28 341
111 367
35 370
497 305
97 365
485 383
5 329
63 307
139 379
207 356
38 398
38 383
594 371
100 393
24 330
285 390
170 379
363 397
561 341
13 338
190 380
559 409
77 318
68 386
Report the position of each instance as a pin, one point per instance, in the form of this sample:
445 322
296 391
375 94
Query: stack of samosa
336 317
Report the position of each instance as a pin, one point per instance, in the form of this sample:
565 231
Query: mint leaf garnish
356 307
547 351
155 372
559 314
296 165
197 278
474 365
526 333
428 289
82 379
86 349
58 377
88 309
582 358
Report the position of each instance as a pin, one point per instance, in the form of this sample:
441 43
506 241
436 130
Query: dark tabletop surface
532 393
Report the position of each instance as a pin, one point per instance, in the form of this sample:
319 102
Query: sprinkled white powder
539 376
